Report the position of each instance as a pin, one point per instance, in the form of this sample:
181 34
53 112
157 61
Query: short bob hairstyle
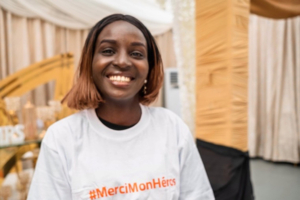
84 93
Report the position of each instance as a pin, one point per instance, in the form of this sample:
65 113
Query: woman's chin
121 97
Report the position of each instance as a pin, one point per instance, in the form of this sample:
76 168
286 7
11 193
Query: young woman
116 147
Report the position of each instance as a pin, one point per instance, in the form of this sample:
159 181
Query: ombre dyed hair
84 93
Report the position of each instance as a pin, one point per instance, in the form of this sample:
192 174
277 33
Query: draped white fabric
184 43
84 14
274 88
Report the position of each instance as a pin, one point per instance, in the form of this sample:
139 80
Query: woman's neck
125 114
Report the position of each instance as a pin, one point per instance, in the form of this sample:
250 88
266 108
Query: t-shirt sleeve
194 184
49 180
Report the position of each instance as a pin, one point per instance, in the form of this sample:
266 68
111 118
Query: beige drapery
222 72
274 88
24 41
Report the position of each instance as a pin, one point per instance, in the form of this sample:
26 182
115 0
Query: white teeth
119 78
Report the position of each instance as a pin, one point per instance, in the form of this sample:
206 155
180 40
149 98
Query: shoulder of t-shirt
63 129
71 120
163 115
163 112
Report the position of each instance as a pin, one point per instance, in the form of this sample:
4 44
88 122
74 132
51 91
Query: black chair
228 171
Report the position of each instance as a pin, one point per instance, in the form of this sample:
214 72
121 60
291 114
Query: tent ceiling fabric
277 9
84 14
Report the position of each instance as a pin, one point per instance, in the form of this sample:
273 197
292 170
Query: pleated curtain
274 88
24 41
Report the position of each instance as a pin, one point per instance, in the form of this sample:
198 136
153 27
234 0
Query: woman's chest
137 170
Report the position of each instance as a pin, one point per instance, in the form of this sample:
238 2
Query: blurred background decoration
233 66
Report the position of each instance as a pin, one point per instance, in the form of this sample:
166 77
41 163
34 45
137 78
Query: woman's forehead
121 30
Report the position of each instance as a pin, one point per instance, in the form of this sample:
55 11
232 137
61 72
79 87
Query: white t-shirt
156 159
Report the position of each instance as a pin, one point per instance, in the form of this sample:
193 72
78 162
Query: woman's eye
108 52
137 55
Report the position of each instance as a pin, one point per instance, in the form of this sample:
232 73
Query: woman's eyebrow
108 41
138 44
114 42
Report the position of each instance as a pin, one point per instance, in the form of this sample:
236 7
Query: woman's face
120 64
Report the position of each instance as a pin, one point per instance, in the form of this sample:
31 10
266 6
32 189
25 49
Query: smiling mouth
119 78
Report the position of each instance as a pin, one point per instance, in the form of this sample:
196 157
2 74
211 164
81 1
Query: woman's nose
122 59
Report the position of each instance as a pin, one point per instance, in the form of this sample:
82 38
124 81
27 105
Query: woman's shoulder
163 113
67 127
172 121
159 110
71 120
166 116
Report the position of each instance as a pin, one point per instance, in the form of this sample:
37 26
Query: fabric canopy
276 9
84 14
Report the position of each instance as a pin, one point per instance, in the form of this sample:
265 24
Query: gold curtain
222 72
276 9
